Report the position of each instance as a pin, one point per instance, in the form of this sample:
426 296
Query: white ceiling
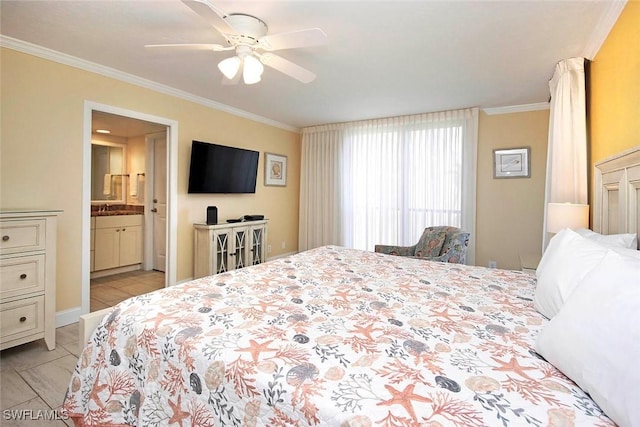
384 58
123 126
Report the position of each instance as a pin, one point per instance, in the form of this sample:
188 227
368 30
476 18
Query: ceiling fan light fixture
230 67
252 70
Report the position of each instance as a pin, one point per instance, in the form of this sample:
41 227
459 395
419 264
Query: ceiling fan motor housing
248 29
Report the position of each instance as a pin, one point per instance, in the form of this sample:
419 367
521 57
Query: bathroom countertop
116 212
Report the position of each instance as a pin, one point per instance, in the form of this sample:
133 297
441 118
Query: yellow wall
41 141
615 88
509 212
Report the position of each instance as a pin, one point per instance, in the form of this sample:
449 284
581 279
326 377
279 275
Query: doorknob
154 210
155 200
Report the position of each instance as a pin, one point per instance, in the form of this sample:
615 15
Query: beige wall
615 88
41 165
41 152
509 212
136 163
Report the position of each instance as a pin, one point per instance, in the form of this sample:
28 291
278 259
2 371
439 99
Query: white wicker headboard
616 208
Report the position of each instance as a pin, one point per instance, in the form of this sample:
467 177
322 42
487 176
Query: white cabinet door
222 259
240 247
107 253
130 245
257 251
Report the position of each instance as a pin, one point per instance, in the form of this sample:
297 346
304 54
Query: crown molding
72 61
517 108
603 28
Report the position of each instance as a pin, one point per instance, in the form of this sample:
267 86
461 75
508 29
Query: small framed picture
275 169
511 163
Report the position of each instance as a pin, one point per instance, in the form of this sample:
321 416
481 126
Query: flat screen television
220 169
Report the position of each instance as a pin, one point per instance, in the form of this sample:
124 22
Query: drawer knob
5 238
23 276
23 319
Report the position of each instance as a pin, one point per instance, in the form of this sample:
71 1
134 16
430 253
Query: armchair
443 244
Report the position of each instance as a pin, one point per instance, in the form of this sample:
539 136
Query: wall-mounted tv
220 169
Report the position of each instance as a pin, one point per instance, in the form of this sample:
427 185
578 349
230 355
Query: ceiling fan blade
287 67
189 46
294 39
211 14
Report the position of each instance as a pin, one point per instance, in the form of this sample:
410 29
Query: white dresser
27 277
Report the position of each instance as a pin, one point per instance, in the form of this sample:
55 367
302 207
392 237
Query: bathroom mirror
108 176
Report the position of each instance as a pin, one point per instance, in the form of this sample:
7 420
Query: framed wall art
511 163
275 170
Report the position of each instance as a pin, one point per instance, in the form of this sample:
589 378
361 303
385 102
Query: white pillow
595 338
629 241
564 263
568 258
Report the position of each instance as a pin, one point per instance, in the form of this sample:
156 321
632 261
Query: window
399 182
383 181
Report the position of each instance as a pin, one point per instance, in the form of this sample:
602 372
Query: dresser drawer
22 275
22 236
21 318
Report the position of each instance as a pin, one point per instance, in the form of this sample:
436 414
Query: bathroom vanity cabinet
117 241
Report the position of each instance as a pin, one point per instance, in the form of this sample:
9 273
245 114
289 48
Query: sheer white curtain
566 180
384 181
320 183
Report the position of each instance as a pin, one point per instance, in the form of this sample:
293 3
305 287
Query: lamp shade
566 215
230 67
252 70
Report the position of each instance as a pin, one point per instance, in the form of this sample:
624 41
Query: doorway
158 188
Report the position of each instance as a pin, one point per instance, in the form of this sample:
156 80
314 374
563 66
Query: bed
342 337
330 336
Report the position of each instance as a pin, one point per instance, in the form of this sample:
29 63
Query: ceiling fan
247 36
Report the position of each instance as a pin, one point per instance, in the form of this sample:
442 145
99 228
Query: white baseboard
281 255
67 317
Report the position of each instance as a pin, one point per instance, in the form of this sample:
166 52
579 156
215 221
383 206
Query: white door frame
172 191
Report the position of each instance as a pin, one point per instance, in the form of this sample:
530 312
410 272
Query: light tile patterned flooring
35 379
110 290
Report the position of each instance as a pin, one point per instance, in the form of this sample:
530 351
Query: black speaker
212 215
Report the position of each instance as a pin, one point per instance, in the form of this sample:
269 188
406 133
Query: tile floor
110 290
33 378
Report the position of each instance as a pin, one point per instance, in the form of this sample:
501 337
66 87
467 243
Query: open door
159 200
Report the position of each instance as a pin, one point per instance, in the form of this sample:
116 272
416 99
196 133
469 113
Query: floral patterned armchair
444 244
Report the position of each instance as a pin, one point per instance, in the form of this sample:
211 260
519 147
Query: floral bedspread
331 336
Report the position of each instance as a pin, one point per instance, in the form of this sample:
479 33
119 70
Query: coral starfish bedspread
331 336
